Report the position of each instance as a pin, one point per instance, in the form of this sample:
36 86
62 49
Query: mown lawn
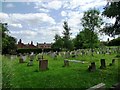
16 75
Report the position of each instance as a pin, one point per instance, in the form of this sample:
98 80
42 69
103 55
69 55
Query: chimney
31 42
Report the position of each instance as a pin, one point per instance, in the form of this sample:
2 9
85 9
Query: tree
58 44
92 21
67 42
8 42
114 42
83 39
112 10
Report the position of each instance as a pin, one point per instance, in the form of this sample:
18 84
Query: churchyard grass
19 75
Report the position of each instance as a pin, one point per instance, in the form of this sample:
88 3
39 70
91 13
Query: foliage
91 20
112 10
83 39
8 42
58 45
67 42
114 42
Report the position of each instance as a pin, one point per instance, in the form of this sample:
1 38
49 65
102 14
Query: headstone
21 60
113 62
30 63
103 64
92 67
24 58
40 56
43 65
66 63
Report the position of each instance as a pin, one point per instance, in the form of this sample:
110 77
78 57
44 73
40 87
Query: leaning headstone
103 64
92 67
66 63
43 65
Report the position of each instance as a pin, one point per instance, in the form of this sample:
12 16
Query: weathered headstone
92 67
30 63
40 56
113 62
66 63
21 59
103 64
43 65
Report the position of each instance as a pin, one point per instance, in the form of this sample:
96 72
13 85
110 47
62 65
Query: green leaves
8 42
112 10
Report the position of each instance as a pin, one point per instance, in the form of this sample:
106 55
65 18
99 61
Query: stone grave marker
40 56
66 63
103 64
92 67
21 59
113 62
43 64
30 63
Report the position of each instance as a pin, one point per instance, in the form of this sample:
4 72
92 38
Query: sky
40 20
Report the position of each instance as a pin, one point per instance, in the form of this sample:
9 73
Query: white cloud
63 13
55 4
30 18
16 25
94 4
46 5
25 33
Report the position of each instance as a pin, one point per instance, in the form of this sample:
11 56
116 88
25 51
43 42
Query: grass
75 76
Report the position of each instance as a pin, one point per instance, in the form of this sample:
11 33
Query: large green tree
112 10
8 42
67 42
83 39
92 21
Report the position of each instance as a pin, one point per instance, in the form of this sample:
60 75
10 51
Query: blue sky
40 20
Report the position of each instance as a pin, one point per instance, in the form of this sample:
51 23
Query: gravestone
24 58
40 56
43 64
113 62
103 64
92 67
21 59
66 63
30 63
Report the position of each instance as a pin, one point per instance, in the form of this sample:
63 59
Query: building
44 45
24 46
31 45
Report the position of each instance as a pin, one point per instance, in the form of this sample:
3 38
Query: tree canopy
112 10
8 42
